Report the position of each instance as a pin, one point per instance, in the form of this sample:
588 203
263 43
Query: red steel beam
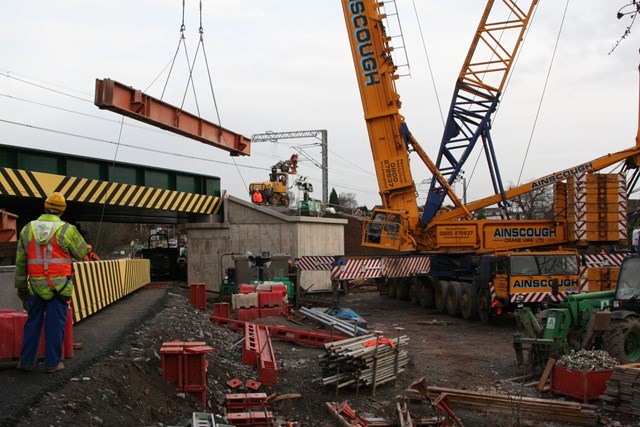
125 100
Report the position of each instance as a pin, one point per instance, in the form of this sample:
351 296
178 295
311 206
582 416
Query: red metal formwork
251 344
197 392
171 363
312 338
198 294
258 350
195 365
247 314
222 309
271 311
253 419
240 402
183 363
267 366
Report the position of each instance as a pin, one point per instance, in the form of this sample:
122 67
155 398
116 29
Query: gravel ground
125 387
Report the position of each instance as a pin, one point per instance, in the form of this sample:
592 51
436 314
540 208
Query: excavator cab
387 229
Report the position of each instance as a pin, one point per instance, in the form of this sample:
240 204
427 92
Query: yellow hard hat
55 201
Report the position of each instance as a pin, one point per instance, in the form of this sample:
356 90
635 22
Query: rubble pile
587 360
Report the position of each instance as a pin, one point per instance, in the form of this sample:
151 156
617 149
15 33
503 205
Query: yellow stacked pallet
597 208
602 278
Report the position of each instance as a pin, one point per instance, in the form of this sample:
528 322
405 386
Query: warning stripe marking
21 183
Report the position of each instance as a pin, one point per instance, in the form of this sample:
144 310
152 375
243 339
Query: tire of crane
402 292
452 299
425 296
484 305
414 290
469 302
622 340
391 286
440 295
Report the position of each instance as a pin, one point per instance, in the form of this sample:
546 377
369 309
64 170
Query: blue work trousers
53 314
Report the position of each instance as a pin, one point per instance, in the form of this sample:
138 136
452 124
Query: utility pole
318 134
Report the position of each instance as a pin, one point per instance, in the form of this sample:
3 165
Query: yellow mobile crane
473 266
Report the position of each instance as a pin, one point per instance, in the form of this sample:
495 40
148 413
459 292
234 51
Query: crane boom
477 93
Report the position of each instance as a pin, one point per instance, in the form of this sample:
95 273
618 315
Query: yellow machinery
275 191
587 212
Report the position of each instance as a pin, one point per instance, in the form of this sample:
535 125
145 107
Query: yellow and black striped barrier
100 283
21 183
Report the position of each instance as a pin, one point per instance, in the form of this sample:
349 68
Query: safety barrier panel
12 335
100 283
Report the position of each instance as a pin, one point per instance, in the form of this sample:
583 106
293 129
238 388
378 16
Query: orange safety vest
51 261
257 197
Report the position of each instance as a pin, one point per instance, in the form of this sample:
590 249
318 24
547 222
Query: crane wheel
402 289
484 305
440 295
622 340
425 296
469 302
392 289
452 298
414 290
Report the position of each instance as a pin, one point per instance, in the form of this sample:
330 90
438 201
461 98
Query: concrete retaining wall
253 228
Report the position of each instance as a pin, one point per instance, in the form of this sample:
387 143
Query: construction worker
256 197
44 278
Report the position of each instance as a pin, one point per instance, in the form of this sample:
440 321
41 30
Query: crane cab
387 229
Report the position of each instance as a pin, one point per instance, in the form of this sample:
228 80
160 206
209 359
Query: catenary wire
544 89
426 54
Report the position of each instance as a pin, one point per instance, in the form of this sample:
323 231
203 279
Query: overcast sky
285 65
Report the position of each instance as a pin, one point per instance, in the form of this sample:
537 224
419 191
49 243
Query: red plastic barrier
67 345
269 299
198 294
12 333
244 288
279 288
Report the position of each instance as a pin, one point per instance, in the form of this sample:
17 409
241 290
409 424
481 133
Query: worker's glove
23 294
91 256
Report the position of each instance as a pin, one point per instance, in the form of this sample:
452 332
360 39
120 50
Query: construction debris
248 409
368 360
527 408
350 329
345 416
623 390
587 360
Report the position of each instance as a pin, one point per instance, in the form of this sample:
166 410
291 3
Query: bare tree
348 202
631 9
536 204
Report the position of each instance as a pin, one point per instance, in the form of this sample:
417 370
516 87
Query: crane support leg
125 100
